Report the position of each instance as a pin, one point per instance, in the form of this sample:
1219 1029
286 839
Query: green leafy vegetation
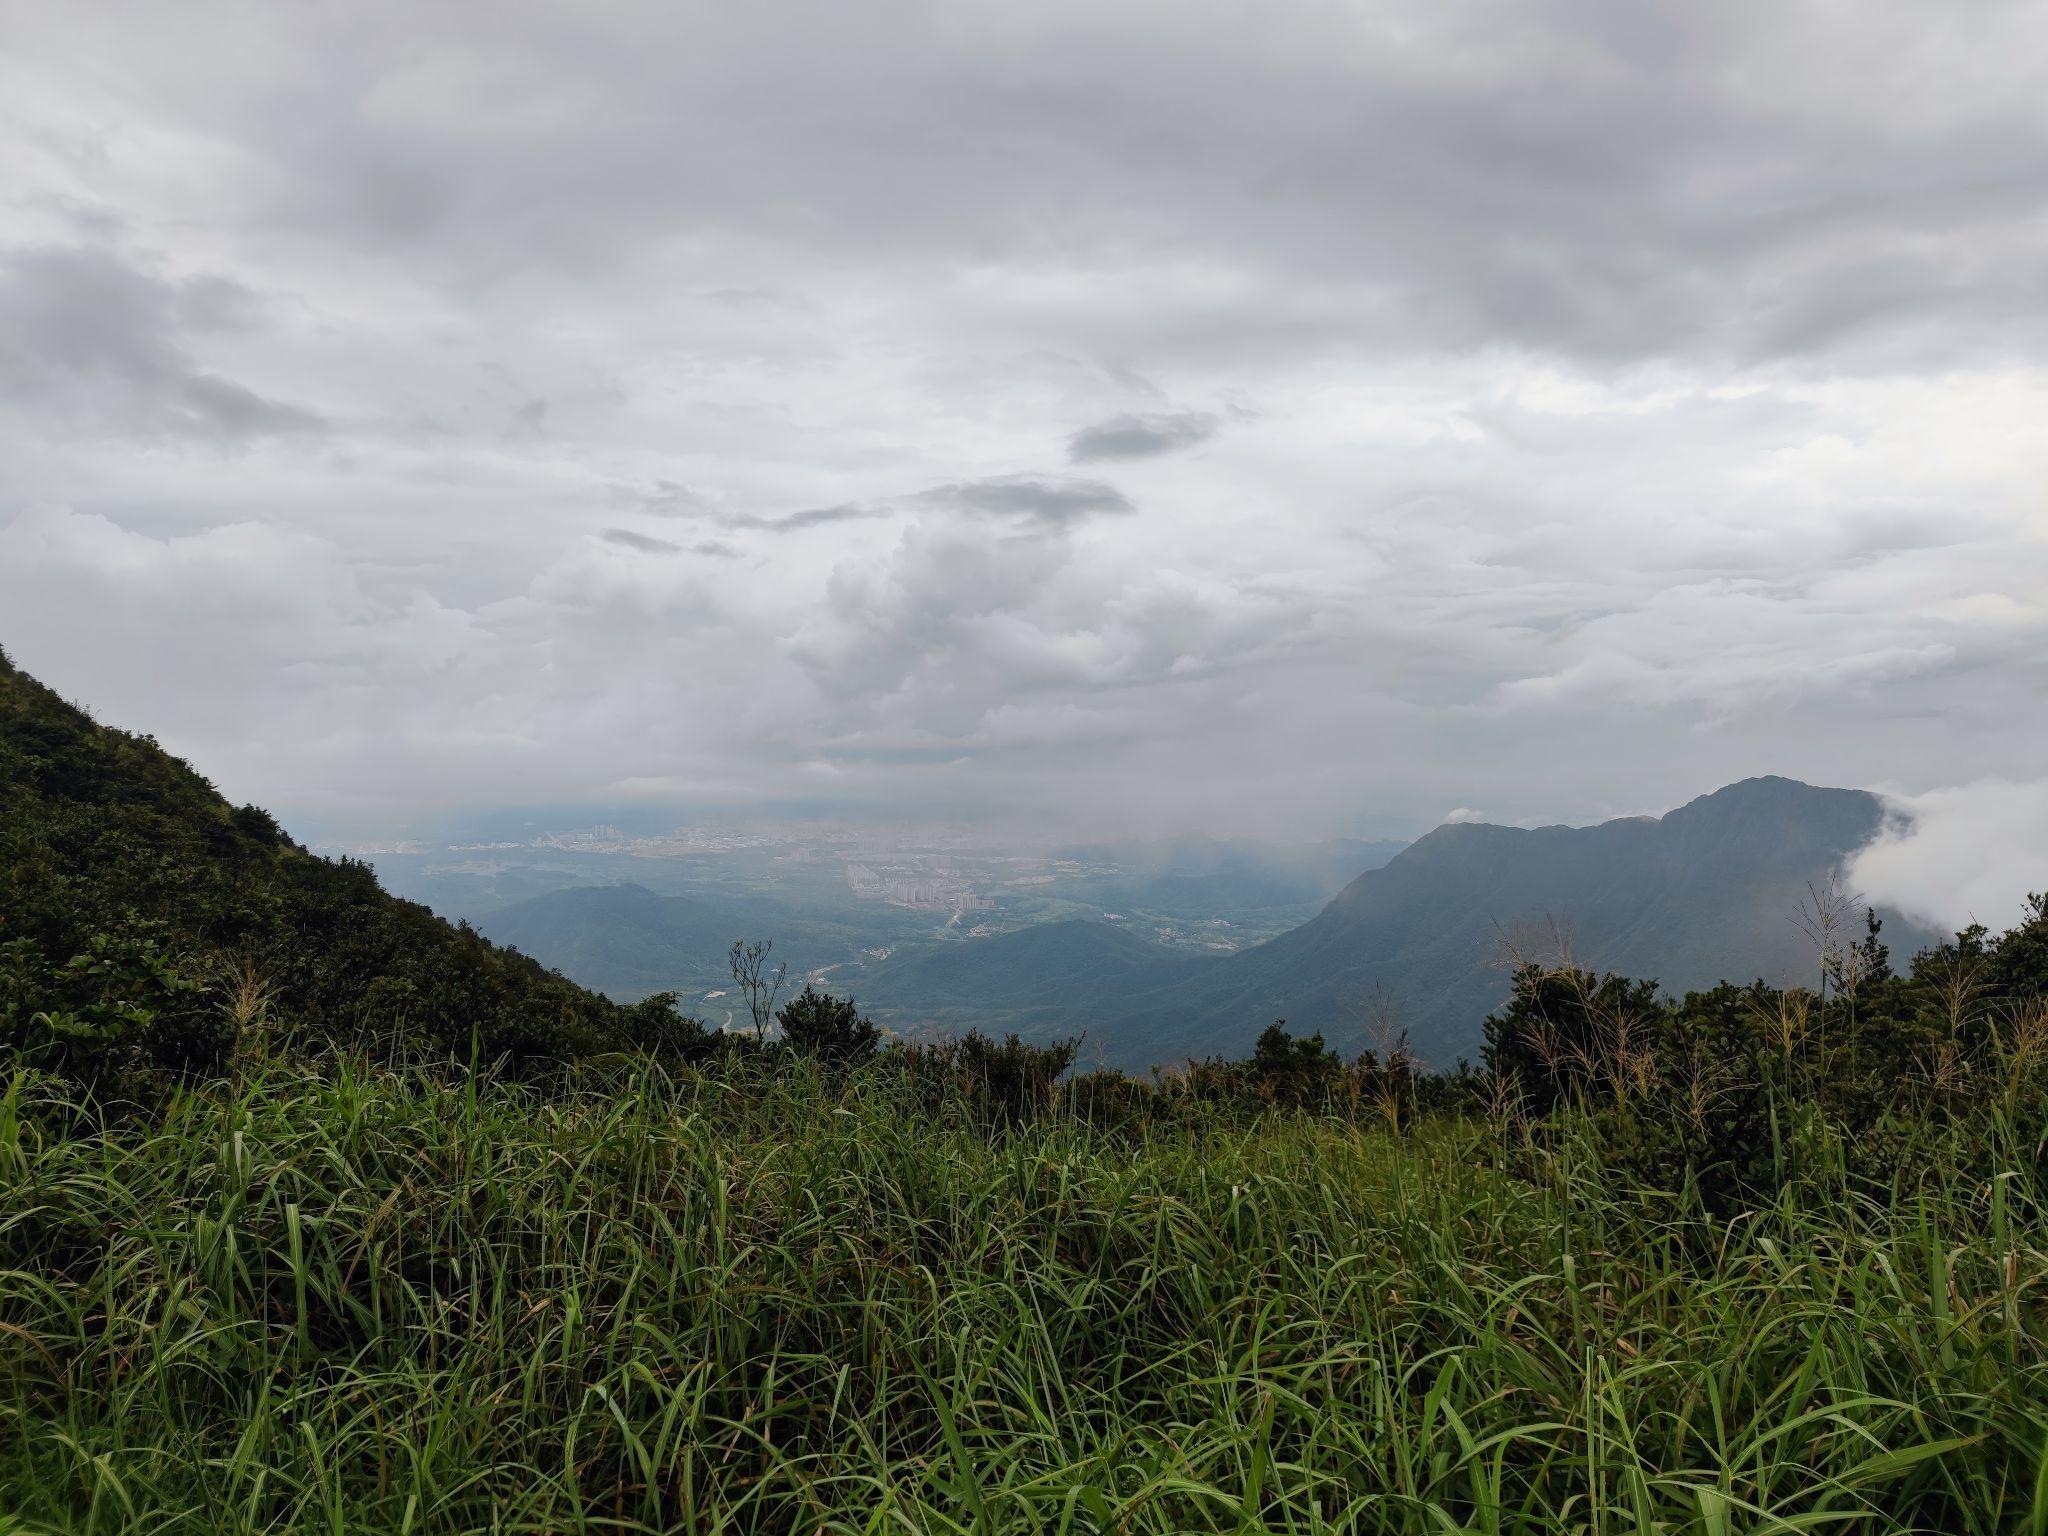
830 1029
317 1214
344 1298
149 927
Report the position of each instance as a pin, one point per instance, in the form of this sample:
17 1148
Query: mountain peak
1703 892
1768 789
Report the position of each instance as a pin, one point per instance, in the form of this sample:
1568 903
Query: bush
111 1018
1295 1070
831 1029
1004 1083
659 1027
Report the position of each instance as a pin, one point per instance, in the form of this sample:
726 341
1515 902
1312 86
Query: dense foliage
1715 1086
145 924
336 1297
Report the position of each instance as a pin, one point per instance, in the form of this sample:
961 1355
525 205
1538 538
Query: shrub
1010 1081
831 1029
110 1018
658 1026
1295 1070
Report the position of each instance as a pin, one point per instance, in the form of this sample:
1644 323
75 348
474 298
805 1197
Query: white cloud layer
1148 416
1953 857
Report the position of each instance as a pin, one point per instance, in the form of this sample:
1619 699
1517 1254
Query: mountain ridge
103 831
1707 891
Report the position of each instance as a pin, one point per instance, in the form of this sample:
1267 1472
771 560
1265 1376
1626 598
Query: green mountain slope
1048 980
131 891
629 941
1198 877
1709 891
624 938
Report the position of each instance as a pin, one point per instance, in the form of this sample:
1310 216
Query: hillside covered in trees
145 921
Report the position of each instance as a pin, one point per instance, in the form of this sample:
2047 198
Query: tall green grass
352 1300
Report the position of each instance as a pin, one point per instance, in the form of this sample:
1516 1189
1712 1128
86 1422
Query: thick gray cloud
626 538
1041 499
1595 402
95 339
1139 437
796 522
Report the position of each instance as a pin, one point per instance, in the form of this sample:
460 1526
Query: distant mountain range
629 940
102 832
1048 981
1706 893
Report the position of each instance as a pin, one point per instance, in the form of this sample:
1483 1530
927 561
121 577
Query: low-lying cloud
1967 854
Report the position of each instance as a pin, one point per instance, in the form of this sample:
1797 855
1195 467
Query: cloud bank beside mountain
1968 854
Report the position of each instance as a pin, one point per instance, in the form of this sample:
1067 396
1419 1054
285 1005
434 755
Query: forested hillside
145 921
1428 943
626 938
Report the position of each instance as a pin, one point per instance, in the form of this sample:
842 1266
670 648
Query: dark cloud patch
1053 502
626 538
665 498
1141 437
820 517
647 544
205 405
673 499
92 337
796 522
528 420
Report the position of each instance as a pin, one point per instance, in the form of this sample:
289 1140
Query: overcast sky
1290 418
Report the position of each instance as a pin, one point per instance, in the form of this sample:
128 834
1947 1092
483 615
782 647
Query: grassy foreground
357 1300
